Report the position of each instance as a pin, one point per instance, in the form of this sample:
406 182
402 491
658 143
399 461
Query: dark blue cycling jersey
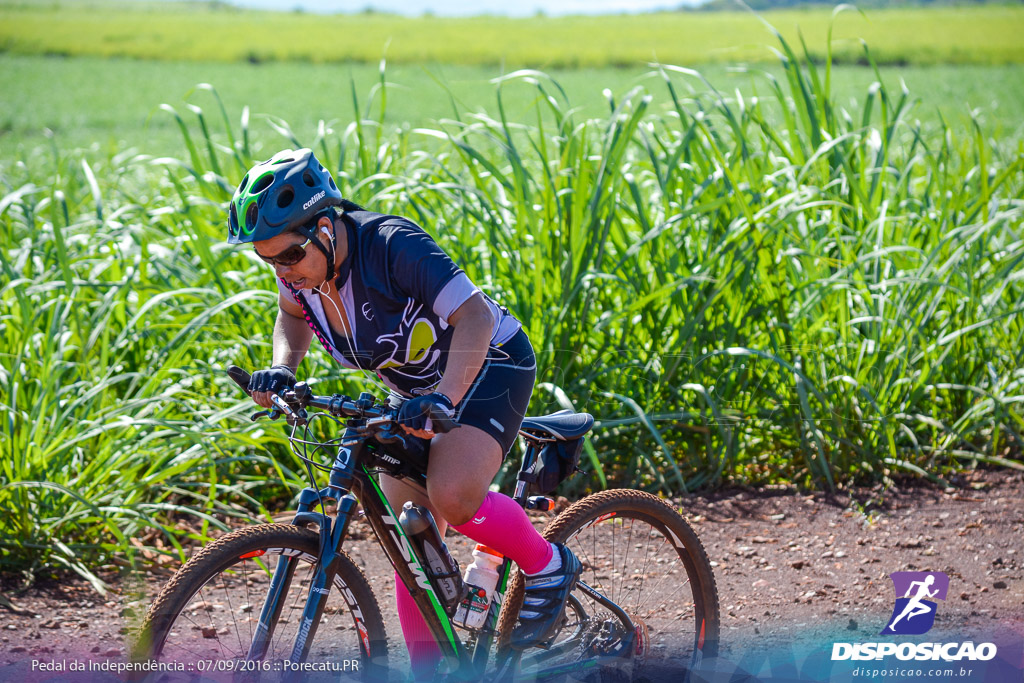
398 288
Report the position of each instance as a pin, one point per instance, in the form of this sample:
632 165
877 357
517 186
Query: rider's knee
456 507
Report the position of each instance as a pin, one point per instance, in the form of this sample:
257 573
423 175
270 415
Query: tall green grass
767 289
114 317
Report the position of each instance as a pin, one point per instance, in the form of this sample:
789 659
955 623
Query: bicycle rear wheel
641 555
204 619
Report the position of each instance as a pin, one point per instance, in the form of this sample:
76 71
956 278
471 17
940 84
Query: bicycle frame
350 480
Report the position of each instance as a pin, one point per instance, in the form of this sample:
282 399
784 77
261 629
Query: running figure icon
915 607
914 612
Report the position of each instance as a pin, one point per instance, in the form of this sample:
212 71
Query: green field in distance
48 93
207 32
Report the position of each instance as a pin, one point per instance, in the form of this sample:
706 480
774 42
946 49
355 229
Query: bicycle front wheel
641 555
204 619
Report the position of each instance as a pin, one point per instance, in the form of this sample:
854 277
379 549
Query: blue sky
455 8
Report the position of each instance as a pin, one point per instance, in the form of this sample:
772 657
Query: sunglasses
288 257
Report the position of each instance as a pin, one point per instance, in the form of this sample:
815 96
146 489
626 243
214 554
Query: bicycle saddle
564 425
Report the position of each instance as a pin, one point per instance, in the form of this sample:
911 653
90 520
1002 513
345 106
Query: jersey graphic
398 288
413 347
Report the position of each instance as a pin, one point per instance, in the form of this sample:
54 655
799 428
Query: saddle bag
556 462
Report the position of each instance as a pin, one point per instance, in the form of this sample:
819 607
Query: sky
457 8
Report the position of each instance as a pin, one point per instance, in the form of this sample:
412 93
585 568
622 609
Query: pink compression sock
501 524
423 651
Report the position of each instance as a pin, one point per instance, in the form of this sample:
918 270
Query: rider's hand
265 383
412 417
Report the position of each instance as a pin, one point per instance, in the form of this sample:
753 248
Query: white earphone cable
348 331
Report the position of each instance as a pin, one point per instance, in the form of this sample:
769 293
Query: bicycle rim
211 617
634 551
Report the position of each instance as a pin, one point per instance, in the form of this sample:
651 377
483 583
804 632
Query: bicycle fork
331 538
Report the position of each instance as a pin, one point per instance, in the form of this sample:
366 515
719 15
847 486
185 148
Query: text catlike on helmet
285 192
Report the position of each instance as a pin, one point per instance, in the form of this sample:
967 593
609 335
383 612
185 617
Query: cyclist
380 295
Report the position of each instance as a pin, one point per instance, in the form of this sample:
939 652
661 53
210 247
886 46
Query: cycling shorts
499 396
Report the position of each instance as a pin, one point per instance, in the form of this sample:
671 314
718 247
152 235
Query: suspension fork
332 535
331 538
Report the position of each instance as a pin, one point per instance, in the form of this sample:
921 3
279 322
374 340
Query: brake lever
272 414
390 436
440 422
281 405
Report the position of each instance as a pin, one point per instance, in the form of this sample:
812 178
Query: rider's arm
474 325
291 341
292 335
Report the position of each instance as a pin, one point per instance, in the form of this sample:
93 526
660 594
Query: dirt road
788 565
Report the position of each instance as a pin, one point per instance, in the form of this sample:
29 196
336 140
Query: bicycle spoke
633 561
212 623
643 572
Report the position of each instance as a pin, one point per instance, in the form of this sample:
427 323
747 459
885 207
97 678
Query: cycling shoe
544 602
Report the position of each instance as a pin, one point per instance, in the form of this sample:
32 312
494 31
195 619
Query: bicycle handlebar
366 406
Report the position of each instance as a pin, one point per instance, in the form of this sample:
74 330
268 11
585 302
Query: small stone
852 626
18 648
112 652
999 584
964 596
95 649
778 518
827 553
209 632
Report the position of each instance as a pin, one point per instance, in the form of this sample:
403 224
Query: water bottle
481 580
441 568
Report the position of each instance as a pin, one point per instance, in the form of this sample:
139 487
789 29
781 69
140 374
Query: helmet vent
251 216
245 181
233 219
285 197
307 177
262 183
331 181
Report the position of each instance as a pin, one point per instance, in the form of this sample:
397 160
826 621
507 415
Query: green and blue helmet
280 194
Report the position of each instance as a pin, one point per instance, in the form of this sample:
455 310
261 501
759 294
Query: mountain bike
287 602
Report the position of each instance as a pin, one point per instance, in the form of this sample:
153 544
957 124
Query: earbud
325 231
